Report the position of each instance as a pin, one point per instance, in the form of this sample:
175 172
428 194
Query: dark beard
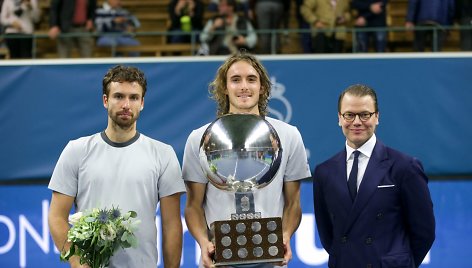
123 125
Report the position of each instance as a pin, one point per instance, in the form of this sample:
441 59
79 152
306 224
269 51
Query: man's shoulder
154 142
279 124
85 139
328 163
393 153
198 132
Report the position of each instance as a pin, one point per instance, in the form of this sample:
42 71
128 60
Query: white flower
74 218
107 233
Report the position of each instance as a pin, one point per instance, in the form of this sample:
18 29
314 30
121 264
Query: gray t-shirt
132 175
269 200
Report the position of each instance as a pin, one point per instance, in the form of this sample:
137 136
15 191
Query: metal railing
351 41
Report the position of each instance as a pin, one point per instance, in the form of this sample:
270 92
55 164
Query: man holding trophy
254 165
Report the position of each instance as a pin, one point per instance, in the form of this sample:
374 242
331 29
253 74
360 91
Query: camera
18 10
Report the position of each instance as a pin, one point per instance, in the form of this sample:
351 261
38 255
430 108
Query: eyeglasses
364 116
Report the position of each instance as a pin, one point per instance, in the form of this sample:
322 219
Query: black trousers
426 38
327 44
20 46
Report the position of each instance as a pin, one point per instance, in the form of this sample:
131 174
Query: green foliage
97 234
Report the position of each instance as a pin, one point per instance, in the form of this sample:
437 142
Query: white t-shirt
132 175
269 200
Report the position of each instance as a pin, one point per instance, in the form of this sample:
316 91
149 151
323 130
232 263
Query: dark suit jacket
62 13
386 226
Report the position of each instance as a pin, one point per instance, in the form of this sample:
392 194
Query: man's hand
75 262
287 253
218 22
207 251
54 32
89 25
319 25
360 22
16 24
409 25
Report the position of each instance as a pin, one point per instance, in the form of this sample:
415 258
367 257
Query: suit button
380 216
344 239
368 240
369 265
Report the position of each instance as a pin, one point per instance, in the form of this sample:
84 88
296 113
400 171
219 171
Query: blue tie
352 181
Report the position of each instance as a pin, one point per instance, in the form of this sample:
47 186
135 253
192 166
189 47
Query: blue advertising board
25 240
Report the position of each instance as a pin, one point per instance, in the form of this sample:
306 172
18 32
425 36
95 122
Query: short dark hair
232 3
359 90
121 73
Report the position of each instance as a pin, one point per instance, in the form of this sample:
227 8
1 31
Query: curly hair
218 88
122 73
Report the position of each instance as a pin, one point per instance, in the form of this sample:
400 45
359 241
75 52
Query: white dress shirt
366 151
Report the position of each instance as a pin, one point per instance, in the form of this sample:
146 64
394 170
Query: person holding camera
186 16
227 33
18 18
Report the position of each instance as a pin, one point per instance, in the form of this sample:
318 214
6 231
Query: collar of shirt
366 149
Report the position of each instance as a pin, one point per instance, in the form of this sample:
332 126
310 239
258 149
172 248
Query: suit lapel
340 177
378 166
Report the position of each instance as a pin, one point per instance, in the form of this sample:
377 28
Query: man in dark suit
381 215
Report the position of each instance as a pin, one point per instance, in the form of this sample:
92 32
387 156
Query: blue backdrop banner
424 105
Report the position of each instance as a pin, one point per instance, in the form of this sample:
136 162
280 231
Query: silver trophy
240 153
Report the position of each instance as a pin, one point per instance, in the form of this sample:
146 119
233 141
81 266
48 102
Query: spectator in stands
242 6
73 17
269 15
227 32
429 13
464 17
116 26
305 36
327 20
370 13
18 18
186 16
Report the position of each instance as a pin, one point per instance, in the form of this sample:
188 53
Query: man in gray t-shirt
123 168
243 86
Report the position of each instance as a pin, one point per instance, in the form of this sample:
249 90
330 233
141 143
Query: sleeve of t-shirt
65 175
191 169
297 163
170 179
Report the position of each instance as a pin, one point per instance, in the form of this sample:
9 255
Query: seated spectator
370 13
116 26
327 20
430 13
18 18
242 6
227 33
186 16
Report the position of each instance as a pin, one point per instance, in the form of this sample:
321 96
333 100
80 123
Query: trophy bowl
240 152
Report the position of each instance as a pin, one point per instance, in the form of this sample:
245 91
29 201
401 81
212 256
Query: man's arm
292 215
58 216
195 219
171 230
418 207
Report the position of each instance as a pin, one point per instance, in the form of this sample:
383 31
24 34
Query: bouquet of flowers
96 234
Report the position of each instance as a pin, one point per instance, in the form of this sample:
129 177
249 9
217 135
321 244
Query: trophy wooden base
247 241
